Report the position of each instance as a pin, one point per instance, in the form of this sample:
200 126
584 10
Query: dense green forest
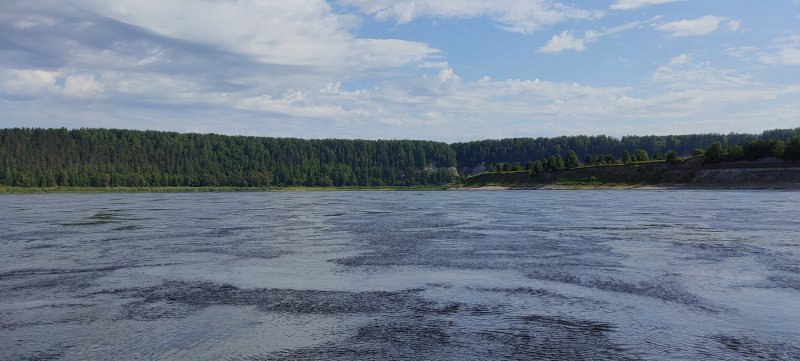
112 157
522 150
109 157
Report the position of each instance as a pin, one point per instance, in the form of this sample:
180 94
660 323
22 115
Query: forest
755 149
112 157
522 150
133 158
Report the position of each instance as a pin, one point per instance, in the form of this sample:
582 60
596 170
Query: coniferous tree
572 159
559 162
552 164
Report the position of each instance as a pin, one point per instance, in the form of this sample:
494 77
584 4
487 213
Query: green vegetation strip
28 190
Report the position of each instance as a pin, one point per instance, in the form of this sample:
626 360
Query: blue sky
450 70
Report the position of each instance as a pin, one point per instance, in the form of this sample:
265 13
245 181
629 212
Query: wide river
449 275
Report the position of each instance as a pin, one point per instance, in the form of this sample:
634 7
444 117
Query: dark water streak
401 275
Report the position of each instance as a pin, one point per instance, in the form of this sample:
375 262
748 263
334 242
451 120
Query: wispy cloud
300 32
681 72
516 16
566 41
783 56
783 51
29 82
635 4
733 25
251 56
700 26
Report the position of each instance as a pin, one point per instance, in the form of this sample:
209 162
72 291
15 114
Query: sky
447 70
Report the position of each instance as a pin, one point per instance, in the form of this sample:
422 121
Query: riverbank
30 190
569 186
688 173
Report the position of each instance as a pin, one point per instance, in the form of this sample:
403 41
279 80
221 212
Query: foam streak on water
401 275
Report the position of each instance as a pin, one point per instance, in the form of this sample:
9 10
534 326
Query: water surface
401 275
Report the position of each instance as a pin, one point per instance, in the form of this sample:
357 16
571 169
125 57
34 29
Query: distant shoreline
40 190
586 186
459 188
641 187
691 173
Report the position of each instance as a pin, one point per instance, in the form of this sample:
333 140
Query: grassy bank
29 190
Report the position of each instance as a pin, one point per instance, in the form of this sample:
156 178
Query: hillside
477 156
765 173
132 158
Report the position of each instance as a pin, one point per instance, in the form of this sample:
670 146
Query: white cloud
34 82
784 51
564 41
679 60
300 32
635 4
682 73
516 16
733 25
434 65
293 103
444 105
27 81
439 105
694 27
567 41
784 56
82 85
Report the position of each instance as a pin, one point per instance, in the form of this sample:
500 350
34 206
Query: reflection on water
401 275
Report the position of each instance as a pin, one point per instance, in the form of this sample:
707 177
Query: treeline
110 157
754 150
521 150
556 162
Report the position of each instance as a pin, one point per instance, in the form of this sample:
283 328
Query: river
371 275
